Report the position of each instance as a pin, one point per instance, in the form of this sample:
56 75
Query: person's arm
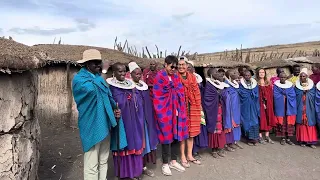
105 68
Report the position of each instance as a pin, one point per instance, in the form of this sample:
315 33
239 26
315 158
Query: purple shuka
210 106
201 141
133 118
151 122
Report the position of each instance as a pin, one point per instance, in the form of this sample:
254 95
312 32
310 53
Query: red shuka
267 117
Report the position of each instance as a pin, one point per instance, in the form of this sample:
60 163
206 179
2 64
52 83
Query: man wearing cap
98 116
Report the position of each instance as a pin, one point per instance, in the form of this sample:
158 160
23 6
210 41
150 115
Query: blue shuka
250 107
278 98
310 104
95 105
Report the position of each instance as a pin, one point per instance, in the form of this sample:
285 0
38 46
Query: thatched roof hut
272 65
203 65
220 64
19 128
60 53
15 56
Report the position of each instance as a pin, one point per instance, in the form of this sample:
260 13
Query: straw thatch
273 64
15 56
220 64
58 53
309 60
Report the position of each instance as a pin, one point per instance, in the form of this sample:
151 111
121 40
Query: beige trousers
96 161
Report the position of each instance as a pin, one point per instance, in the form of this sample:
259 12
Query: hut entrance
200 71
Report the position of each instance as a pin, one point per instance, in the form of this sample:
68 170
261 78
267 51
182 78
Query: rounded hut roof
61 53
15 56
220 63
272 63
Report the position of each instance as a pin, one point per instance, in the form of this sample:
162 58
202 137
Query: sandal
148 172
230 149
238 145
313 146
283 142
269 140
215 154
261 141
185 164
302 145
195 161
290 142
250 144
221 153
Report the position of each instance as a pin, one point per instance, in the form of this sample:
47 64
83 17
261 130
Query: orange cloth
193 101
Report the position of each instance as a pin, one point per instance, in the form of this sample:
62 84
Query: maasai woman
171 116
306 130
285 108
151 138
250 108
213 110
131 163
200 141
267 118
193 105
274 79
234 111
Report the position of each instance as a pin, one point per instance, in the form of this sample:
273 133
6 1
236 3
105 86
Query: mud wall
19 129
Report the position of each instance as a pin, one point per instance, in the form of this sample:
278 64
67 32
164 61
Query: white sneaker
166 170
176 166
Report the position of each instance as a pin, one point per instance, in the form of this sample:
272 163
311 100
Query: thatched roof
273 64
220 64
308 59
15 56
60 53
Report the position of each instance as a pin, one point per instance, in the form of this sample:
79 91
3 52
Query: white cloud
202 25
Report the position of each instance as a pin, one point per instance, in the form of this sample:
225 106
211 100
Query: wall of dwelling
19 128
54 98
306 65
272 72
53 95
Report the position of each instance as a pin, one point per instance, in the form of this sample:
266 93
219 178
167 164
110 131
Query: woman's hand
117 113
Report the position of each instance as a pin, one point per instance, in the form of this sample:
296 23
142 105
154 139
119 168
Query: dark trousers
170 151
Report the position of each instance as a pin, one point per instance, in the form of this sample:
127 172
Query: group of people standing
173 106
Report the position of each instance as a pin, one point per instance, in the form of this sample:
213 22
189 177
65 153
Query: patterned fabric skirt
306 134
253 133
218 138
284 129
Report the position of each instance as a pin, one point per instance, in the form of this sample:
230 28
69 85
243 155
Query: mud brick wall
19 129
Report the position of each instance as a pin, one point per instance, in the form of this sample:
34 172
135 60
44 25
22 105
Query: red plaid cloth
168 99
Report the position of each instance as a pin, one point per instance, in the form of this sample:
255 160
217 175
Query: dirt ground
62 159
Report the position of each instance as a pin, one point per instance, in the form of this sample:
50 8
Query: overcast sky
198 25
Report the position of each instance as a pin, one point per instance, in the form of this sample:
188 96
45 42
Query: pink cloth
274 79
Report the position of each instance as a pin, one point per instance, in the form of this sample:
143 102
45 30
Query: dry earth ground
61 159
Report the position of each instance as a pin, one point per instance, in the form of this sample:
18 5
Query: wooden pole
70 99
